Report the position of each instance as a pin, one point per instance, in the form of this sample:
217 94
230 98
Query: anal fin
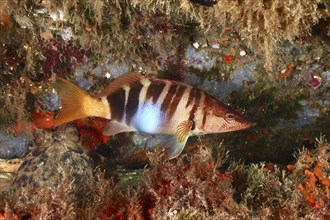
115 127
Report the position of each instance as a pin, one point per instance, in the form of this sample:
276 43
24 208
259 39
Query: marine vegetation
267 59
55 37
141 30
196 186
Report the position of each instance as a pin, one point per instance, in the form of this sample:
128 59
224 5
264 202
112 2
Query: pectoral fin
176 147
115 127
183 129
177 142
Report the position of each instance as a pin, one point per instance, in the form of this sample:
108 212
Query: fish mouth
244 126
240 127
247 125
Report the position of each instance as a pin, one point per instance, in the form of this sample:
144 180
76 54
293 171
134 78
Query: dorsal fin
119 82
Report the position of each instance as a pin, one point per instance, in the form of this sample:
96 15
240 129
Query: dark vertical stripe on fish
133 101
168 98
176 100
198 94
117 104
154 90
191 97
204 109
204 117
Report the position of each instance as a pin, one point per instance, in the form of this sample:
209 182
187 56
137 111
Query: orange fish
157 106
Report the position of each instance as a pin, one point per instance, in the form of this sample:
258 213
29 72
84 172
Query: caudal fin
76 103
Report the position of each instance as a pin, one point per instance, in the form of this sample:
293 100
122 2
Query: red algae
61 58
315 186
310 188
4 20
91 130
43 120
286 72
228 59
8 216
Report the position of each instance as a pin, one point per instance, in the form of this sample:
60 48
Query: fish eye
229 115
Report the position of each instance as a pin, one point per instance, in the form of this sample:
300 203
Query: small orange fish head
221 118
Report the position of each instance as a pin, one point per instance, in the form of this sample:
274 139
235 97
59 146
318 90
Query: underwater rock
67 34
82 82
13 147
104 71
116 70
111 69
198 59
222 89
51 101
326 76
148 140
56 165
306 116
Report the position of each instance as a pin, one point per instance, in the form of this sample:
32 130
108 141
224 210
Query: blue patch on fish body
148 118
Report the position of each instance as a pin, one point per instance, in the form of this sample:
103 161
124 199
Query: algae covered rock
57 168
13 147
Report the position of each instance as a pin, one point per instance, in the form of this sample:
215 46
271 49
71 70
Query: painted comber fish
157 106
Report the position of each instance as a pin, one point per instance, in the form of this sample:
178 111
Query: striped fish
157 106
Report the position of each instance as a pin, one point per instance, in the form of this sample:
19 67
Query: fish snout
247 125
